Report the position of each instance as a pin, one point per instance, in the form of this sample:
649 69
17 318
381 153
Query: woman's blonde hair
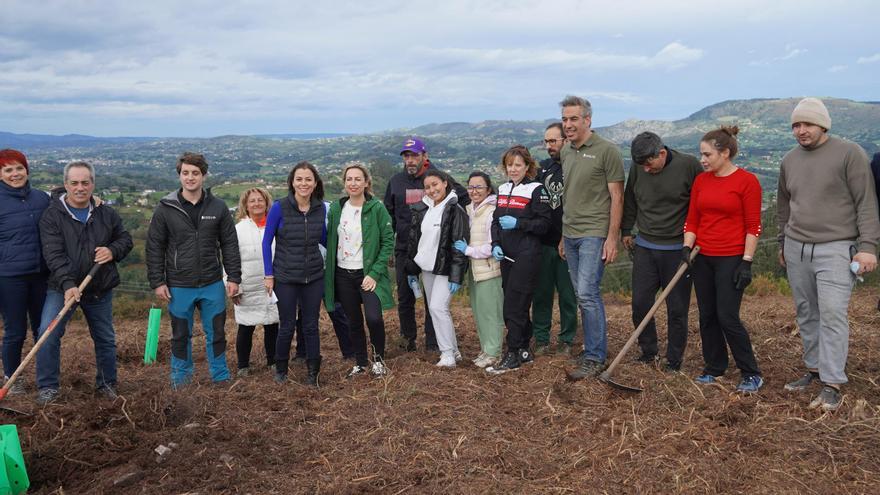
363 168
242 201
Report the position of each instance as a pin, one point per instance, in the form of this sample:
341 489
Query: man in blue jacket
76 233
189 232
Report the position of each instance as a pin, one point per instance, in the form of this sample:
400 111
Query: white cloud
837 68
870 59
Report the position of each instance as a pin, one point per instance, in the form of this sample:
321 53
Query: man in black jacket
75 234
404 189
184 267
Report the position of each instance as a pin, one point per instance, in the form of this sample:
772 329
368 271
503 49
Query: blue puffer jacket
20 211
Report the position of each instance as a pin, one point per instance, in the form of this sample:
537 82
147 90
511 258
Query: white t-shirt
349 250
429 242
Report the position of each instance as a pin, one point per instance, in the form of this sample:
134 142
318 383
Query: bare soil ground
423 430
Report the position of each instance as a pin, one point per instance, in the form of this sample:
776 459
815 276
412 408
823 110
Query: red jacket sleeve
693 217
751 199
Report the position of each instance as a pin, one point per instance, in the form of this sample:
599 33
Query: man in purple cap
404 189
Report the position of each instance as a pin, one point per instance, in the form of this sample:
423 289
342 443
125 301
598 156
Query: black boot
314 367
280 371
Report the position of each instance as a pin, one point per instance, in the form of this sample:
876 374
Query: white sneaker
482 355
378 369
457 355
447 360
485 361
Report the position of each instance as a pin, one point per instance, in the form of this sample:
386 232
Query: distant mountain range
459 146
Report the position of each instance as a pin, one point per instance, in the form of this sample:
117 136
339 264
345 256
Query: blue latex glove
412 281
507 222
498 253
453 287
461 246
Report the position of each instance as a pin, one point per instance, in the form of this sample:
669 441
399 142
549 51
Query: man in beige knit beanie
828 232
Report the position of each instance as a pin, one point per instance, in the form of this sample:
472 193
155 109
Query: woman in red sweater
724 219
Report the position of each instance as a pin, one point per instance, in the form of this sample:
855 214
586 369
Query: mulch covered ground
424 430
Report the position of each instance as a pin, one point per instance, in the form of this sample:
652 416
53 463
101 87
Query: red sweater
723 210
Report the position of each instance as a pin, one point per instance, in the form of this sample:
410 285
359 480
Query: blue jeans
20 297
211 301
585 265
99 315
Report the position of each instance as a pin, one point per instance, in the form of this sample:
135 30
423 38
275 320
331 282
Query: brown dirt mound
423 430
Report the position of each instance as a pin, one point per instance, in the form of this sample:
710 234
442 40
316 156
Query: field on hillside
422 430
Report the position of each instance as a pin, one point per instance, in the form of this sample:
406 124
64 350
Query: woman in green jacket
360 241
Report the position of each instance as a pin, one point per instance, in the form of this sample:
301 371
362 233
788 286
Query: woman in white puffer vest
254 306
487 296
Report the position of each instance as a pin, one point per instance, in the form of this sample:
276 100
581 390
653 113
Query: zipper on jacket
306 245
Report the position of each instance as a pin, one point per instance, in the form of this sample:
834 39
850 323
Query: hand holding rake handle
49 329
606 375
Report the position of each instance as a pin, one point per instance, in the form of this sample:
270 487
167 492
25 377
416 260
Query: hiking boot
563 349
750 384
17 387
107 392
647 358
280 377
314 367
510 362
243 373
828 399
407 345
542 349
457 354
803 382
525 356
447 360
46 396
356 370
706 379
670 367
379 369
587 369
578 358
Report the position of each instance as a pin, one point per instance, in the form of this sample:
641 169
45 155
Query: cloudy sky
206 68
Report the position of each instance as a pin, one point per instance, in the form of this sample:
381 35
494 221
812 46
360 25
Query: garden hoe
49 329
605 377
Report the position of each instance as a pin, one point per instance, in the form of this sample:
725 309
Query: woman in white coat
253 306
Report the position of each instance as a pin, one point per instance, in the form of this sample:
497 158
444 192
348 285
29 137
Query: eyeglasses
552 141
476 188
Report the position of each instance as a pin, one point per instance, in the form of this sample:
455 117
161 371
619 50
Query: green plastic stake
13 479
152 344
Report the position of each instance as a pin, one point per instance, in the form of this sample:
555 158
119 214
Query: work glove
453 287
412 281
461 246
498 253
686 256
507 222
742 277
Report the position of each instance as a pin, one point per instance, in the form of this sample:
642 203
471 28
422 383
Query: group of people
547 228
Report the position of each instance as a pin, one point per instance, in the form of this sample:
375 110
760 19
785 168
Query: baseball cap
413 144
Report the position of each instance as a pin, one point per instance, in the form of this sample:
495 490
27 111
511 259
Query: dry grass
422 430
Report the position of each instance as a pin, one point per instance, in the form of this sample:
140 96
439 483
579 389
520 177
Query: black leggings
350 295
244 341
719 303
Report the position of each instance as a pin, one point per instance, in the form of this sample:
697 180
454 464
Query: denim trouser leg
213 313
211 301
181 309
584 256
99 316
49 355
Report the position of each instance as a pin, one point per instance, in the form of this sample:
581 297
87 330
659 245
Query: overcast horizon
200 70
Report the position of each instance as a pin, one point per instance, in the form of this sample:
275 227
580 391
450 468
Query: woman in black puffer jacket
437 222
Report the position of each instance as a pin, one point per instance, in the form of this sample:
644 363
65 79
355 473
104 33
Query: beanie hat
9 156
811 111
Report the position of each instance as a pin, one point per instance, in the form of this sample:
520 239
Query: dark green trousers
554 278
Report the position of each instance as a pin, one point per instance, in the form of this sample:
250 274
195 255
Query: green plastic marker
152 344
13 477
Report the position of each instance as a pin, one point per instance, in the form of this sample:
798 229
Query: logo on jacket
554 191
208 217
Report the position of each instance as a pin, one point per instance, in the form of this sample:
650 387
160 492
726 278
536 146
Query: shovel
49 329
605 377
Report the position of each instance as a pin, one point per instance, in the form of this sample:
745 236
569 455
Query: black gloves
686 256
742 277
